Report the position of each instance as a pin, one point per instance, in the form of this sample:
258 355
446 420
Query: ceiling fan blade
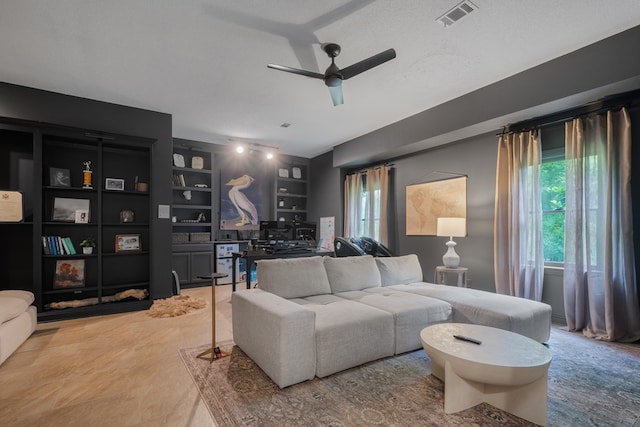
367 64
297 71
336 95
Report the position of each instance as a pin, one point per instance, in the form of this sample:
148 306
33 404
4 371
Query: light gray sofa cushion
526 317
411 313
352 273
277 334
293 277
348 334
399 270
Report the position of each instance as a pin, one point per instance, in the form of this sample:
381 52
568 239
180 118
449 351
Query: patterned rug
591 383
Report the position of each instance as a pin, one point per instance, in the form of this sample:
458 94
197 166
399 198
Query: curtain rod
371 167
630 100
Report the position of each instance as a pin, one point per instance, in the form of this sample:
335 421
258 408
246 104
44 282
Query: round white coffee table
507 370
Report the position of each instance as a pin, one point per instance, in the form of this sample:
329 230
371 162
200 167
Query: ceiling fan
334 76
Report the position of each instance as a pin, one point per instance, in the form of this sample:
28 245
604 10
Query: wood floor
116 370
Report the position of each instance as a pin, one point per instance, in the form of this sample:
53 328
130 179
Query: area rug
176 305
590 383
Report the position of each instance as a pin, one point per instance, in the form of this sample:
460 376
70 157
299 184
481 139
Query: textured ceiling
204 61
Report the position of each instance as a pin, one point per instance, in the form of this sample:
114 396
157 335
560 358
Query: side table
440 275
215 351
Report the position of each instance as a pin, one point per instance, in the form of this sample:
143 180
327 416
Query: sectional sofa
320 315
17 320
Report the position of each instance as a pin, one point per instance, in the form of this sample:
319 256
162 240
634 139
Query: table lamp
452 227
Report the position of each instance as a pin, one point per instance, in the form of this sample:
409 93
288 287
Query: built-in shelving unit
192 213
58 203
291 192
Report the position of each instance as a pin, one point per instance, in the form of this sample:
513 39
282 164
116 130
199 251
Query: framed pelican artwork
240 199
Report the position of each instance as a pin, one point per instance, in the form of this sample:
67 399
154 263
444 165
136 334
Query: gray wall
326 190
460 137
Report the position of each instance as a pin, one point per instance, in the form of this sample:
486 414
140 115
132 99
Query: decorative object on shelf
141 187
282 190
59 177
283 173
127 215
200 185
82 216
86 175
10 206
87 245
430 200
69 274
178 160
296 173
197 162
138 294
187 195
114 184
128 243
452 227
201 217
281 203
64 209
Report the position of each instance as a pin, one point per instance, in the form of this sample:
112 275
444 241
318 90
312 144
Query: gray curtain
600 291
517 235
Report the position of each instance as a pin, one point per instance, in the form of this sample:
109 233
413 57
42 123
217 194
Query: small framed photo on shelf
114 184
59 177
82 216
128 243
283 173
178 160
69 274
127 215
64 209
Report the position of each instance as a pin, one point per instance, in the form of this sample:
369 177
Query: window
553 205
370 225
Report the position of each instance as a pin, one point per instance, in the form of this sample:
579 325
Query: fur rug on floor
177 305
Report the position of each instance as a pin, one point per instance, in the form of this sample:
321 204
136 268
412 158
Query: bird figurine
246 209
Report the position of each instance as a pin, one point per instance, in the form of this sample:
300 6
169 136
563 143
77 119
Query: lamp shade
452 227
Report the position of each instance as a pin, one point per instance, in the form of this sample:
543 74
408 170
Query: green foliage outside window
553 209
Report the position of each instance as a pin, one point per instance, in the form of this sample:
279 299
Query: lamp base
451 258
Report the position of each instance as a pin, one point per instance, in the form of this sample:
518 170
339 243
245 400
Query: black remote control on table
468 339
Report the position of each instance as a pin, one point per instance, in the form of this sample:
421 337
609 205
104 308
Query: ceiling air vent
456 13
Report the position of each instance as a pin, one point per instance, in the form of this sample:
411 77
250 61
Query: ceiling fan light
336 95
333 81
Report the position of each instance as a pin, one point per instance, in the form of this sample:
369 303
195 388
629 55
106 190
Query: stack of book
178 181
57 245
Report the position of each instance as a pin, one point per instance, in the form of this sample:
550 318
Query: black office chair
371 246
343 247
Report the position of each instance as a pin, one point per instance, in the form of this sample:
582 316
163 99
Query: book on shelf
178 181
58 245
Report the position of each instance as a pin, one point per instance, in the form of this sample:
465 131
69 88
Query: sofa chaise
18 319
319 315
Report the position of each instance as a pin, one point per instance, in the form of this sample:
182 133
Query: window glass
553 205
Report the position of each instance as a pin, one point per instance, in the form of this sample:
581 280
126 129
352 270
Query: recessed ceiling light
285 125
239 149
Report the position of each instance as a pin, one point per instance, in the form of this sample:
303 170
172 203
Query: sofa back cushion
293 277
352 273
399 270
